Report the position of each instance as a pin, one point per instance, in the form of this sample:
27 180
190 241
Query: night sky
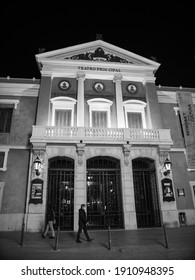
168 36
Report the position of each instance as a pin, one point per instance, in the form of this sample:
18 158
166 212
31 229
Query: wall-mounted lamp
37 166
167 166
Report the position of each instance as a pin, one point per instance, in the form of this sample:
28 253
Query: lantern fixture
37 166
167 166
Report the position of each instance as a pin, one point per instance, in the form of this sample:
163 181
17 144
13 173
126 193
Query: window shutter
99 119
63 118
134 120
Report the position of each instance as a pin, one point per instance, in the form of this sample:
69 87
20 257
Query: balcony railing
53 134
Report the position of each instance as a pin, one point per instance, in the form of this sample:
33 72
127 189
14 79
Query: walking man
50 222
83 224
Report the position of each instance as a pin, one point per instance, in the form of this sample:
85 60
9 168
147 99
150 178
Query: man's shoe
79 241
52 237
90 239
43 236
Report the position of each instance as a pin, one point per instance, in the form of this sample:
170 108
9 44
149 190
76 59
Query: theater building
95 129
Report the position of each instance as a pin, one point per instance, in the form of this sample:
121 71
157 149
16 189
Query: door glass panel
61 190
146 195
104 198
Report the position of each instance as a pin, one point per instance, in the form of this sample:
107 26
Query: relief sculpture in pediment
98 55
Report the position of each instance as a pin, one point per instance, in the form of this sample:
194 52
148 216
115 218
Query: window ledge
10 101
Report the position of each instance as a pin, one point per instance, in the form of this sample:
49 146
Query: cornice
19 89
171 96
53 64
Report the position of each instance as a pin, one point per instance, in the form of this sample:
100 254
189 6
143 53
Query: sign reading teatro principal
91 68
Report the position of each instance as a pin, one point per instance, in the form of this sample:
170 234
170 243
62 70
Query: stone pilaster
119 101
80 196
44 101
153 108
80 99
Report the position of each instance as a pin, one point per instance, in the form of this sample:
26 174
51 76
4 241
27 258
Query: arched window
63 111
135 114
99 112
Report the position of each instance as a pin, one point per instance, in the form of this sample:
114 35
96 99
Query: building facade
101 131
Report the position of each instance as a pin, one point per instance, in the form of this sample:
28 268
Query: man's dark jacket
50 215
82 217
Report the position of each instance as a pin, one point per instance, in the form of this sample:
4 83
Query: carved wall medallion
64 85
131 88
98 87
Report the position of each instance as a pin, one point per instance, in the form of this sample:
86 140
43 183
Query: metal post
58 229
109 239
22 232
166 237
57 238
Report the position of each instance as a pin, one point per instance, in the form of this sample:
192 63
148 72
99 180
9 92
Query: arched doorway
104 196
146 195
61 190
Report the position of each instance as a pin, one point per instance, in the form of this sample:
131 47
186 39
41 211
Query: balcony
53 134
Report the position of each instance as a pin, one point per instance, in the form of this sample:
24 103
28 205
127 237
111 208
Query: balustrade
53 133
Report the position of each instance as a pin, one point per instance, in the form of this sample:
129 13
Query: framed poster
36 194
167 188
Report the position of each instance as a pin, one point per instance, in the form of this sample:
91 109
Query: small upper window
99 112
99 119
134 120
135 114
6 111
62 117
63 111
5 119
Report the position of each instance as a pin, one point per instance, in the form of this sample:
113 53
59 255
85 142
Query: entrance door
104 198
146 196
61 190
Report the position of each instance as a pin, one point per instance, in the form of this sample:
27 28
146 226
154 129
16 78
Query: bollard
57 239
109 239
166 237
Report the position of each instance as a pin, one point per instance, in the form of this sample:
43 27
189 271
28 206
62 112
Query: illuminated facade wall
94 100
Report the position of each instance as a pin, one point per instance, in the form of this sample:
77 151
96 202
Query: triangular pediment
98 50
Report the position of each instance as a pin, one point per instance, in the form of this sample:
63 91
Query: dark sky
169 36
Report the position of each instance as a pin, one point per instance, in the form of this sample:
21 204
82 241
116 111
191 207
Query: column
119 101
80 193
44 101
80 99
153 108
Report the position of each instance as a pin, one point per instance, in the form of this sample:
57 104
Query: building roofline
172 88
19 80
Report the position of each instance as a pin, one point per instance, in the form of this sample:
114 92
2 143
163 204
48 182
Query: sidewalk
142 244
